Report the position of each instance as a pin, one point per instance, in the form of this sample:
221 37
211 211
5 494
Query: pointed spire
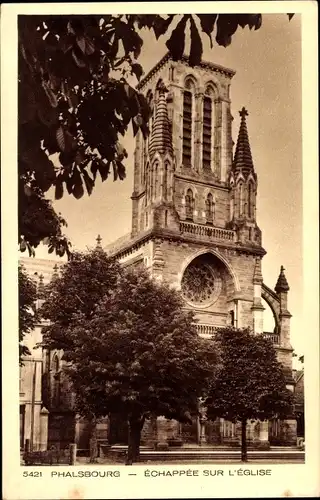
242 157
161 140
98 240
282 284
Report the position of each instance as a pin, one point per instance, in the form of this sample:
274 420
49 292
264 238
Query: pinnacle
98 240
41 287
161 140
242 157
257 275
282 284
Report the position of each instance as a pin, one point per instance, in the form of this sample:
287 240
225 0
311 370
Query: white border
285 480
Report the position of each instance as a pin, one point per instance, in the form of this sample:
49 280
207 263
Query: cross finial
282 269
243 113
98 240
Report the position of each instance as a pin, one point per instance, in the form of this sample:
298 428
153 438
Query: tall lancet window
232 208
250 201
241 199
150 99
187 131
207 130
209 209
156 181
151 183
165 181
189 204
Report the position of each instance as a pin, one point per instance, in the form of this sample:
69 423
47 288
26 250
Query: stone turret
161 138
160 168
243 183
242 162
281 290
282 283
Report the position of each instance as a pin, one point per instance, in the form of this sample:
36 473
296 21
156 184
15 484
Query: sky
268 83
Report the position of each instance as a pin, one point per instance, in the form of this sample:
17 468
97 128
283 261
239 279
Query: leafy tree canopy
77 290
75 103
137 353
27 309
249 383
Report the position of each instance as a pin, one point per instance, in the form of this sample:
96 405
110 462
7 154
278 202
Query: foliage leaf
137 70
207 22
88 182
176 41
161 25
59 189
196 45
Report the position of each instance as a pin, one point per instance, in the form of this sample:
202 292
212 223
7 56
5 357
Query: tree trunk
244 457
93 443
135 425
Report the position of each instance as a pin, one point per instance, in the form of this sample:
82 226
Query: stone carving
199 284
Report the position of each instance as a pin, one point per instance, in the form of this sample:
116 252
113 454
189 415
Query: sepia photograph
161 257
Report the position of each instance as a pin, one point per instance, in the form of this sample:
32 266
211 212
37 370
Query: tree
82 283
74 103
249 383
138 355
27 309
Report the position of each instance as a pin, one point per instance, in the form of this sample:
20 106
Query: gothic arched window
207 129
241 198
151 182
187 132
209 209
250 200
147 181
151 99
145 142
156 181
189 203
165 181
232 208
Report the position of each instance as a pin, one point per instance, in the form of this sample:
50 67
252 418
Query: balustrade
205 330
207 231
273 337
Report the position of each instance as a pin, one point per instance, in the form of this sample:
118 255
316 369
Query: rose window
199 284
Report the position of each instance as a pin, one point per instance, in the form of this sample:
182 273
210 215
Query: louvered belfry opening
187 128
207 133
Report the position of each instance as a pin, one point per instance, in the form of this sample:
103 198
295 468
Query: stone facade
34 414
194 222
194 226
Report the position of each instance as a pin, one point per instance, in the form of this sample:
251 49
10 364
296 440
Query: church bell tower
194 200
194 210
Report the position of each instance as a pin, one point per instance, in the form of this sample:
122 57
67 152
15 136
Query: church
194 226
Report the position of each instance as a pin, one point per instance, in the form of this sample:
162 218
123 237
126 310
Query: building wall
171 247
